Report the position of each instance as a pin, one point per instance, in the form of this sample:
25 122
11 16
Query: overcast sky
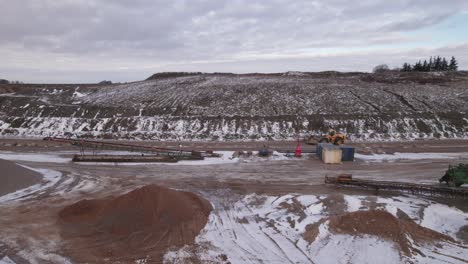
128 40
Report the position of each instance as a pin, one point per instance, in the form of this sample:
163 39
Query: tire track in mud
261 236
256 228
68 183
7 254
258 219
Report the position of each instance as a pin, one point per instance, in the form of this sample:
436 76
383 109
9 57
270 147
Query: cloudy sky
127 40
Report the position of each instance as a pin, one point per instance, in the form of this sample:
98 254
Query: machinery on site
456 175
264 152
413 188
144 153
331 137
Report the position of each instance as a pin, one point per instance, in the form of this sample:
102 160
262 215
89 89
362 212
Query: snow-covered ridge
241 107
199 128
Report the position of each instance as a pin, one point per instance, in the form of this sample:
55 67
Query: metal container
331 155
347 153
319 147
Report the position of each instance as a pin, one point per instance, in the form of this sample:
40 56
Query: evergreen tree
437 63
453 66
417 66
406 67
431 64
444 65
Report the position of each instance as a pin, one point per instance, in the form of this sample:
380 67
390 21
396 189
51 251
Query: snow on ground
410 156
6 260
270 229
354 202
61 157
50 178
333 248
441 218
78 94
445 219
410 206
226 158
33 157
175 128
226 107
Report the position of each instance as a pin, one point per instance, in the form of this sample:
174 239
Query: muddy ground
29 229
15 177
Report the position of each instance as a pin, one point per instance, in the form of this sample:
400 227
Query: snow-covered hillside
240 107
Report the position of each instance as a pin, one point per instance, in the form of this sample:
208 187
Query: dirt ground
14 177
220 184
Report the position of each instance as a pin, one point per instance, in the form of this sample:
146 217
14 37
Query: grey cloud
180 32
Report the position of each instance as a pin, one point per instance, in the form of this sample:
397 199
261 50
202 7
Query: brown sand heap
385 225
143 223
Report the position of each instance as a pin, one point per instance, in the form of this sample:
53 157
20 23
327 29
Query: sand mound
141 224
386 226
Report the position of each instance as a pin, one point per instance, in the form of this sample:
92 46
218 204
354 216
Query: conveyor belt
122 158
99 145
400 186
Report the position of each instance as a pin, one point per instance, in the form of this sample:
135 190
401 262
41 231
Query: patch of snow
444 219
442 253
353 202
141 261
226 158
294 73
410 156
408 205
267 229
8 94
253 241
46 157
332 248
77 94
308 200
6 260
39 254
